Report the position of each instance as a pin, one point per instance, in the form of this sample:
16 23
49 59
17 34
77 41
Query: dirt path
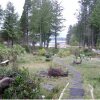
76 82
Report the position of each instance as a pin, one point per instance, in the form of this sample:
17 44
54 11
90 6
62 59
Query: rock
4 83
43 74
48 87
65 74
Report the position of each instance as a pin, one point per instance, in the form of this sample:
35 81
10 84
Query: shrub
4 52
55 72
53 51
3 71
48 59
88 52
27 49
18 49
48 55
64 53
53 94
23 87
42 52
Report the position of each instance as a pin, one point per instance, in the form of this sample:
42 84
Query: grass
90 70
33 63
58 83
38 63
91 75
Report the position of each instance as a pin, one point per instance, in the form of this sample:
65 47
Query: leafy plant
23 87
48 57
27 49
64 53
42 52
18 49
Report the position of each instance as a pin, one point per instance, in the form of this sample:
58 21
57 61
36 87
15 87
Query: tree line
87 30
39 20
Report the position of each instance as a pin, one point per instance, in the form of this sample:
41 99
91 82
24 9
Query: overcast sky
69 6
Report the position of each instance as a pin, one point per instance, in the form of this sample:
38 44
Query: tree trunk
12 41
40 39
47 44
55 40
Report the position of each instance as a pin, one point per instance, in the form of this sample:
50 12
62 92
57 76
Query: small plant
64 53
53 94
18 49
53 51
88 52
48 57
42 52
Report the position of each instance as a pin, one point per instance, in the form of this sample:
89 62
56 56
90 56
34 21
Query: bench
6 62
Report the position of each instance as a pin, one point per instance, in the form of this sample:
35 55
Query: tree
24 21
95 23
1 14
57 20
41 20
87 28
10 23
69 35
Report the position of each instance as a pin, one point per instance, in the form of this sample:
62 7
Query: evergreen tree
24 21
41 20
1 14
10 23
57 20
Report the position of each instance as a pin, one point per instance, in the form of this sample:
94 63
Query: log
4 83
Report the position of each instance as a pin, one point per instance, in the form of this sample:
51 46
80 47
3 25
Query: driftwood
4 63
4 83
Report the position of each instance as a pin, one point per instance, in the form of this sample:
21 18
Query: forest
86 32
39 20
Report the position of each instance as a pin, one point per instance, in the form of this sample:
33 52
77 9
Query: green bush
42 52
23 87
48 59
3 71
4 52
53 51
18 49
88 52
64 53
27 49
74 43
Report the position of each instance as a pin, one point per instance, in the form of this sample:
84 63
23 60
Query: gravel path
76 82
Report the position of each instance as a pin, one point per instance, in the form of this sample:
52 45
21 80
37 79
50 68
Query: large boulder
4 83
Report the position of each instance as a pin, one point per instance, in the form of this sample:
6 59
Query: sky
70 8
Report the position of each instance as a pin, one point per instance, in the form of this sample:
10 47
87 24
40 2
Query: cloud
18 4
